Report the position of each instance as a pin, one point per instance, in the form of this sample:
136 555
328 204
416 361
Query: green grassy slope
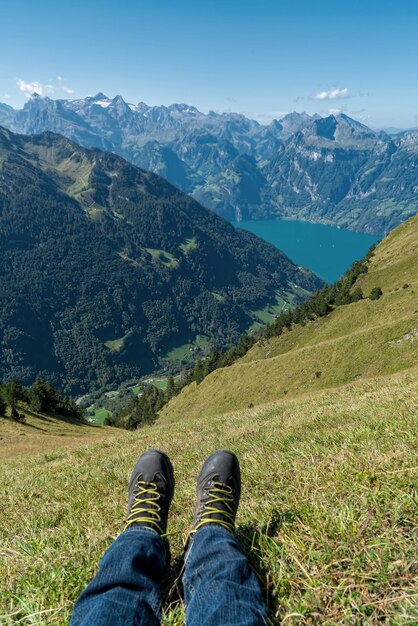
45 433
366 338
326 517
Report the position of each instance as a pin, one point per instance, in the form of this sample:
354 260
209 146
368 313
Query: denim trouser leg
220 588
126 589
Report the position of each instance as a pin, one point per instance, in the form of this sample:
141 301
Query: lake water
326 250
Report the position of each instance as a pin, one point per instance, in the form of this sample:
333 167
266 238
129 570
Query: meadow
327 514
324 421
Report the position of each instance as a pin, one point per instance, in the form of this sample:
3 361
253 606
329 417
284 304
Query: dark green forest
104 267
41 397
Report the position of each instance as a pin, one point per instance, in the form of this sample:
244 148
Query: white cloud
332 94
43 89
29 88
334 111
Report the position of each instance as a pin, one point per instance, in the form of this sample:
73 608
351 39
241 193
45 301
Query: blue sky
262 58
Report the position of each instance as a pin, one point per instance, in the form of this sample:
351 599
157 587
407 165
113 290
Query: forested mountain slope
333 170
355 341
327 515
104 267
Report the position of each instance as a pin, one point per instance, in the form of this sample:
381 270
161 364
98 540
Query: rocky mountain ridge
333 170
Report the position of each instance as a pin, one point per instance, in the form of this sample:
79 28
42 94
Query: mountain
293 122
106 269
325 430
357 341
332 170
338 171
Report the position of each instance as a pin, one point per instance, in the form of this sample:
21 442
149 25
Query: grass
380 351
188 245
116 345
180 353
327 514
45 433
265 316
166 258
185 352
99 415
80 177
160 384
360 340
76 170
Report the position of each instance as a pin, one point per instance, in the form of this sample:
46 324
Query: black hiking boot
218 491
150 491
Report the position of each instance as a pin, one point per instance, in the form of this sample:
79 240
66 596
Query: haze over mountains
104 267
333 170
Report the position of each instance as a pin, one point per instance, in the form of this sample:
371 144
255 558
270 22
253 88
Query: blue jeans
220 588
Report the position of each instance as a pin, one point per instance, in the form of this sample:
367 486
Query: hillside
107 271
356 341
332 170
327 515
42 433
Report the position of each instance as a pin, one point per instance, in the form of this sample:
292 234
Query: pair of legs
220 588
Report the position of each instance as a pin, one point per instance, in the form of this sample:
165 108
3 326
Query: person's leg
220 588
126 589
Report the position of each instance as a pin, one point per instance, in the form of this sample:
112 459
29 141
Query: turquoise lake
326 250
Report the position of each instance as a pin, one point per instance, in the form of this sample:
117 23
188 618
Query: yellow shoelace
147 495
219 492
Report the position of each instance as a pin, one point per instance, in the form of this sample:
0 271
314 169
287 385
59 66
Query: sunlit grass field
324 422
327 514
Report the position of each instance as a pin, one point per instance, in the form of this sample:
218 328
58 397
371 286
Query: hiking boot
218 491
150 492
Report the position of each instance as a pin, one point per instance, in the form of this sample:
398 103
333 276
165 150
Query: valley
323 419
108 273
363 339
209 242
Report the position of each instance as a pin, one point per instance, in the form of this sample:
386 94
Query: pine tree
198 372
170 389
14 393
39 397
